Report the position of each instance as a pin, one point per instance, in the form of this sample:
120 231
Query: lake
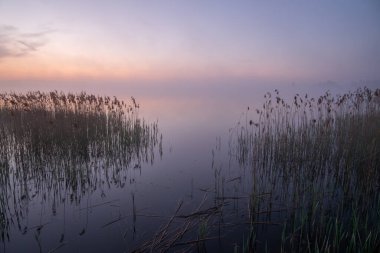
186 181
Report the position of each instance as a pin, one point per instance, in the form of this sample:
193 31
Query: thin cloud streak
14 43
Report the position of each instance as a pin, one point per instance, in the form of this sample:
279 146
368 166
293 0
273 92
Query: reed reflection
314 171
56 146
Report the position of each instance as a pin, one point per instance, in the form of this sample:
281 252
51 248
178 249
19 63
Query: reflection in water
314 168
298 176
55 146
305 179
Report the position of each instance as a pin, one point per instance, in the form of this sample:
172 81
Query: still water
187 173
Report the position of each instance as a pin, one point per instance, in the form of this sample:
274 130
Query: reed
314 180
58 146
319 159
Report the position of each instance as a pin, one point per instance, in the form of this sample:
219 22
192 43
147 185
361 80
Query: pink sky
189 40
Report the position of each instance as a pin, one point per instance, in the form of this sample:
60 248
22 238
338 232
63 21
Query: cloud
14 43
7 28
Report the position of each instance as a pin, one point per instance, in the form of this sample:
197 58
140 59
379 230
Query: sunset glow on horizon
185 40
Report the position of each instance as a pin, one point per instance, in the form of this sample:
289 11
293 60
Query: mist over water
189 126
120 208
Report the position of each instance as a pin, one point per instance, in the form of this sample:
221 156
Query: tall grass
313 178
319 159
55 145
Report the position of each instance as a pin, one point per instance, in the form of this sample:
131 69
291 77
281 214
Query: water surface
121 205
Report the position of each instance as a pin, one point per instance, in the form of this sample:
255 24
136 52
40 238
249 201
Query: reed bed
310 181
317 161
61 146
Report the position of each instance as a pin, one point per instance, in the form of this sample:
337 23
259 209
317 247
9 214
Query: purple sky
158 41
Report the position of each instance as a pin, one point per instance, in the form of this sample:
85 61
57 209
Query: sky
187 41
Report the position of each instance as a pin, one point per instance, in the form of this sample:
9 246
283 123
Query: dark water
117 207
